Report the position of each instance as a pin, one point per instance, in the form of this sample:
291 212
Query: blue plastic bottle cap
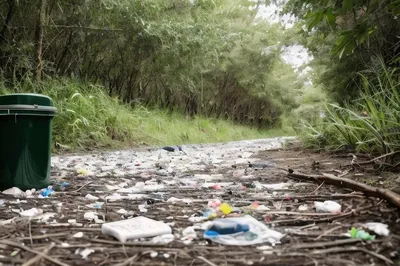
210 233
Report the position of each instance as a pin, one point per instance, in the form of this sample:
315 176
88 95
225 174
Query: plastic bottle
224 227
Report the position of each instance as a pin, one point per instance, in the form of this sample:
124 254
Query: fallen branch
13 244
382 193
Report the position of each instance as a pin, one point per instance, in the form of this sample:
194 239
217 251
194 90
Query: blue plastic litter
97 205
47 191
225 227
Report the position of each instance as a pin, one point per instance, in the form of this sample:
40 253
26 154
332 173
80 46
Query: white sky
295 55
271 12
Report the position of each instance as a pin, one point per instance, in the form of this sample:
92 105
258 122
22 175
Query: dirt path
124 180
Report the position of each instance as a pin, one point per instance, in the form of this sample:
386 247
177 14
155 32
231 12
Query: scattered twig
83 186
327 219
373 161
342 250
301 213
314 197
42 236
318 187
306 226
306 221
38 257
13 244
326 244
335 261
314 234
126 255
75 246
348 183
128 261
203 259
143 244
327 232
74 191
344 173
30 232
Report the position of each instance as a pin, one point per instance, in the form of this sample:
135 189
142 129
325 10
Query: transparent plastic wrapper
240 231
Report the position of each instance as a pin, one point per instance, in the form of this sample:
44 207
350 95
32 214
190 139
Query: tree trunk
41 19
7 20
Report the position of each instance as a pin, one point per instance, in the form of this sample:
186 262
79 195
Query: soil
311 238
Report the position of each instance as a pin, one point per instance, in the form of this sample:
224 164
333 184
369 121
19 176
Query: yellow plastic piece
225 208
82 172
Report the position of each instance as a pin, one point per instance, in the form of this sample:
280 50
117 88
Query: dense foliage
356 44
346 37
204 57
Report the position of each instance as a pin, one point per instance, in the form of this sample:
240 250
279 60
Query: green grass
88 118
370 124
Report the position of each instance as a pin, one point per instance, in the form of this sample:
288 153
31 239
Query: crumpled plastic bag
379 228
328 206
258 233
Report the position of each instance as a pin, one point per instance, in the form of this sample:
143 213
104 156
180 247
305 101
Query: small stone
122 211
153 254
72 221
78 235
303 207
91 197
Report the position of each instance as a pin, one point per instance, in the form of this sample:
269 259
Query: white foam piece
135 228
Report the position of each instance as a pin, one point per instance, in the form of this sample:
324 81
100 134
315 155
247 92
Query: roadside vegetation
87 118
356 45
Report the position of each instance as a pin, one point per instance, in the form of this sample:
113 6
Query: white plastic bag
328 206
379 228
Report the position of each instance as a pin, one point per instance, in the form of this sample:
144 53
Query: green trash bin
25 140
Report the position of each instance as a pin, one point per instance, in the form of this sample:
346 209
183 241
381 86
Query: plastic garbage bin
25 140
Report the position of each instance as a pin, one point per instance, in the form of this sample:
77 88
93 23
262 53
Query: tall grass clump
369 124
86 115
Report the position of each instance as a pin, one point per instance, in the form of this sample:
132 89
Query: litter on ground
238 203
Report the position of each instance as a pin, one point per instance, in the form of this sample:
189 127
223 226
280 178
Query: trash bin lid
25 103
26 99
